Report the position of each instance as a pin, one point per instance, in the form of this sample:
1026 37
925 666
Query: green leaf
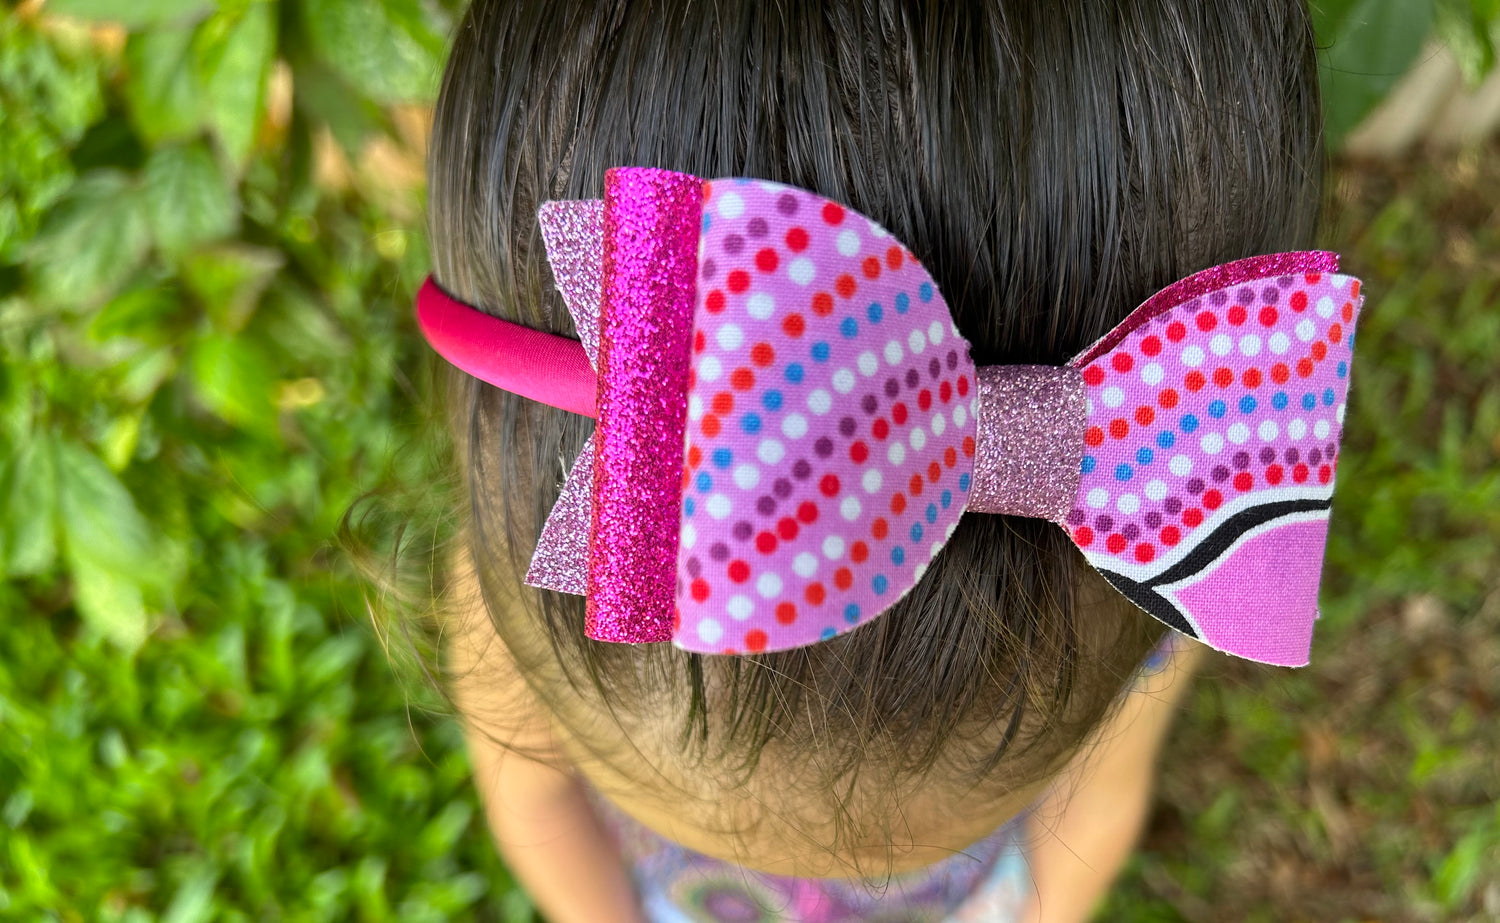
1465 26
99 517
164 95
386 48
29 525
229 281
187 200
109 601
90 242
234 51
134 13
234 380
1365 46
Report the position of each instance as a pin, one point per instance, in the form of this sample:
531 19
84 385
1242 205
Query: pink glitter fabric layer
1030 432
651 221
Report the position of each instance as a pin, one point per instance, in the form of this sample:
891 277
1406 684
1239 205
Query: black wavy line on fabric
1145 594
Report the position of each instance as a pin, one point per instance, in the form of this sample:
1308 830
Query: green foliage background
209 234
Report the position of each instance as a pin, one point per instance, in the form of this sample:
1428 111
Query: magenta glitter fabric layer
1030 433
651 220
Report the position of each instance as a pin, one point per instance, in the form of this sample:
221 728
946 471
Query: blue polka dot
879 584
1279 400
874 312
1165 439
916 532
1143 456
851 613
1309 401
924 291
820 352
898 555
794 373
848 327
707 221
1089 462
963 482
1328 397
902 303
771 400
1188 423
931 513
1217 409
1247 404
723 458
946 498
688 506
827 633
1123 472
1343 369
750 423
703 482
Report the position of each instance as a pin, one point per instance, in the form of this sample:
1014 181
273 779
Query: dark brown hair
1051 164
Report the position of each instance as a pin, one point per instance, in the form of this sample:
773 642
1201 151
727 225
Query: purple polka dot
782 488
733 244
786 203
1314 456
1220 473
824 446
892 387
1241 460
1270 294
742 531
800 470
1330 451
869 403
1285 281
1131 531
1104 523
1267 455
757 227
709 268
694 567
1245 296
1078 517
913 378
1218 298
847 427
719 551
1153 520
766 505
1195 486
1172 505
952 359
1292 455
935 368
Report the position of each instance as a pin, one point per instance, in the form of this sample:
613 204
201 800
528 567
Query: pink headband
790 425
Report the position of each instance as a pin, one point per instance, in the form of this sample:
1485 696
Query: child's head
1051 164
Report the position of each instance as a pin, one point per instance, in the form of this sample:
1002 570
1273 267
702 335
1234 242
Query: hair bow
790 425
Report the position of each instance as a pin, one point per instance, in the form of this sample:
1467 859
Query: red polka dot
1319 350
796 240
880 429
793 325
1347 311
1244 481
739 571
1313 277
762 354
1251 378
1304 367
858 552
1118 428
880 528
722 403
1144 415
710 425
807 512
843 578
898 413
893 257
1236 315
844 285
1212 499
766 260
739 280
755 639
950 457
1206 321
1354 289
822 304
1167 399
695 456
1144 552
1170 536
714 303
1325 474
742 379
898 504
1299 473
968 446
700 342
1274 474
765 542
945 392
934 471
829 486
699 589
1151 346
1268 316
833 213
1176 331
1122 362
963 386
1223 377
787 528
1280 373
914 486
870 267
1084 536
1093 436
858 453
1335 333
786 613
814 594
1192 517
1093 376
1193 381
924 399
1299 301
1115 543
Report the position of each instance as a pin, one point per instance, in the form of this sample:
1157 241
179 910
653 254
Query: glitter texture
561 559
1030 440
1209 280
651 224
574 234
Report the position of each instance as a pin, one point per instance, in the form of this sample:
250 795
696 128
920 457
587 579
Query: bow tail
561 560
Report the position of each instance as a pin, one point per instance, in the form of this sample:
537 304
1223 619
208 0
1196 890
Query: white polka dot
1088 406
933 551
1192 356
960 415
848 242
1325 307
761 306
770 451
868 364
710 631
689 536
916 342
695 407
896 454
731 205
843 381
1279 343
935 332
746 476
729 337
1153 373
948 529
1128 503
833 547
768 585
849 508
918 438
1320 429
871 480
820 402
878 231
1156 489
1097 498
1221 344
805 564
893 352
938 424
1296 429
1112 396
1338 412
1250 345
710 369
718 506
740 607
801 270
1305 330
1213 443
1267 430
794 426
1238 433
1180 465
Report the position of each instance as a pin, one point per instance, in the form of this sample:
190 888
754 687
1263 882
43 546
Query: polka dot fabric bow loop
790 425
